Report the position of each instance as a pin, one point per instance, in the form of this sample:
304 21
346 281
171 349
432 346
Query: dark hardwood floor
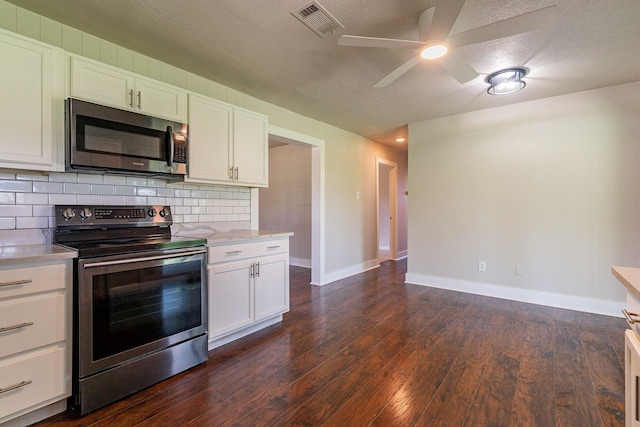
370 350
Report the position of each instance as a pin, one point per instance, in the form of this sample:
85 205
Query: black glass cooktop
132 245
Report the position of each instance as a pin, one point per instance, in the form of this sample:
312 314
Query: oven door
133 305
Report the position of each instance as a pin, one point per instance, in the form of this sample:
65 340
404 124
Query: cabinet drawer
22 281
44 375
239 251
31 322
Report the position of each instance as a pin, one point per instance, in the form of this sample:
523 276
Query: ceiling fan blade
458 67
392 76
444 17
361 41
508 27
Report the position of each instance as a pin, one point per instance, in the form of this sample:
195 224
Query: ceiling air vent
317 18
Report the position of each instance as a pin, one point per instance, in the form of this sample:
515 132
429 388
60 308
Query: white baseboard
402 254
349 271
569 302
300 262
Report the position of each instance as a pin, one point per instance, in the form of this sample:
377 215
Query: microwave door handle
171 147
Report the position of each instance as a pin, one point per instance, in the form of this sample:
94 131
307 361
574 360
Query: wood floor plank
576 402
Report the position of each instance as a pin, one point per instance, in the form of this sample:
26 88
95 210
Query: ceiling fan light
507 81
434 51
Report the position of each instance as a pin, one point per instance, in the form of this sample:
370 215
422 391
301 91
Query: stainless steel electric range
140 300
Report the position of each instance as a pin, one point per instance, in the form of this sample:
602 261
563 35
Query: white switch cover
357 195
482 266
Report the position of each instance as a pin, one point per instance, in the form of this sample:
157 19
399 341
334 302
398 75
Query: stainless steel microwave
106 139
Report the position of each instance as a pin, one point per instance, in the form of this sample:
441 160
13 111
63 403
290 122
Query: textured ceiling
259 48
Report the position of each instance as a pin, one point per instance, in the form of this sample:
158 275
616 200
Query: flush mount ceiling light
506 81
434 51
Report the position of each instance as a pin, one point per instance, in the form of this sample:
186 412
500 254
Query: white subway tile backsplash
27 200
15 210
47 187
107 190
31 199
145 191
90 178
7 223
114 179
73 188
63 199
32 222
123 190
17 186
7 198
63 177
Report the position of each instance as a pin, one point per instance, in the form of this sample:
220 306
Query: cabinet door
272 286
230 297
32 107
100 84
251 148
632 379
159 99
209 139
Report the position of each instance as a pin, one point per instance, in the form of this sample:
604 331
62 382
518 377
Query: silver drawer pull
12 327
273 247
232 252
630 317
15 386
15 283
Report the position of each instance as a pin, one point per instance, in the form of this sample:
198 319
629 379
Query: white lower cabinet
248 288
35 337
632 379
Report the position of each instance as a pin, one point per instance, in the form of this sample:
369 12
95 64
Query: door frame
393 206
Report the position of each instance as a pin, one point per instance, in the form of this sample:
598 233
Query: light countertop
21 254
629 277
215 237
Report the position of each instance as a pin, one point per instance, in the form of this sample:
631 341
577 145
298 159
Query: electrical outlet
482 266
520 269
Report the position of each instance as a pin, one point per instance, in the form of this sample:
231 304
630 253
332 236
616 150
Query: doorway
386 203
315 193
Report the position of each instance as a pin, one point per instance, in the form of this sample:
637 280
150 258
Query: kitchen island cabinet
32 108
630 278
248 282
227 145
35 332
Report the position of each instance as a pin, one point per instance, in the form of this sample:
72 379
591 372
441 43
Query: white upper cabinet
31 104
96 82
227 145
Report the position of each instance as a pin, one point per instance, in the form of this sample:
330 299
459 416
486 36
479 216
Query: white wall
286 204
552 185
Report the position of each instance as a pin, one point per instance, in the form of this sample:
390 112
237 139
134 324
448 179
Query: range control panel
104 216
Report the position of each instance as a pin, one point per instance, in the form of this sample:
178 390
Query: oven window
107 137
136 307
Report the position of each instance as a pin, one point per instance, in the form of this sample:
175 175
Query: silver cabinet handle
139 99
236 174
273 247
18 326
15 386
131 98
232 252
251 270
630 317
257 269
231 173
15 283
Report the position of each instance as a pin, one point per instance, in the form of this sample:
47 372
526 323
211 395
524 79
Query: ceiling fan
434 25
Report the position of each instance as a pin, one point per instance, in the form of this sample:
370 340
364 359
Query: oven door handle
142 259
